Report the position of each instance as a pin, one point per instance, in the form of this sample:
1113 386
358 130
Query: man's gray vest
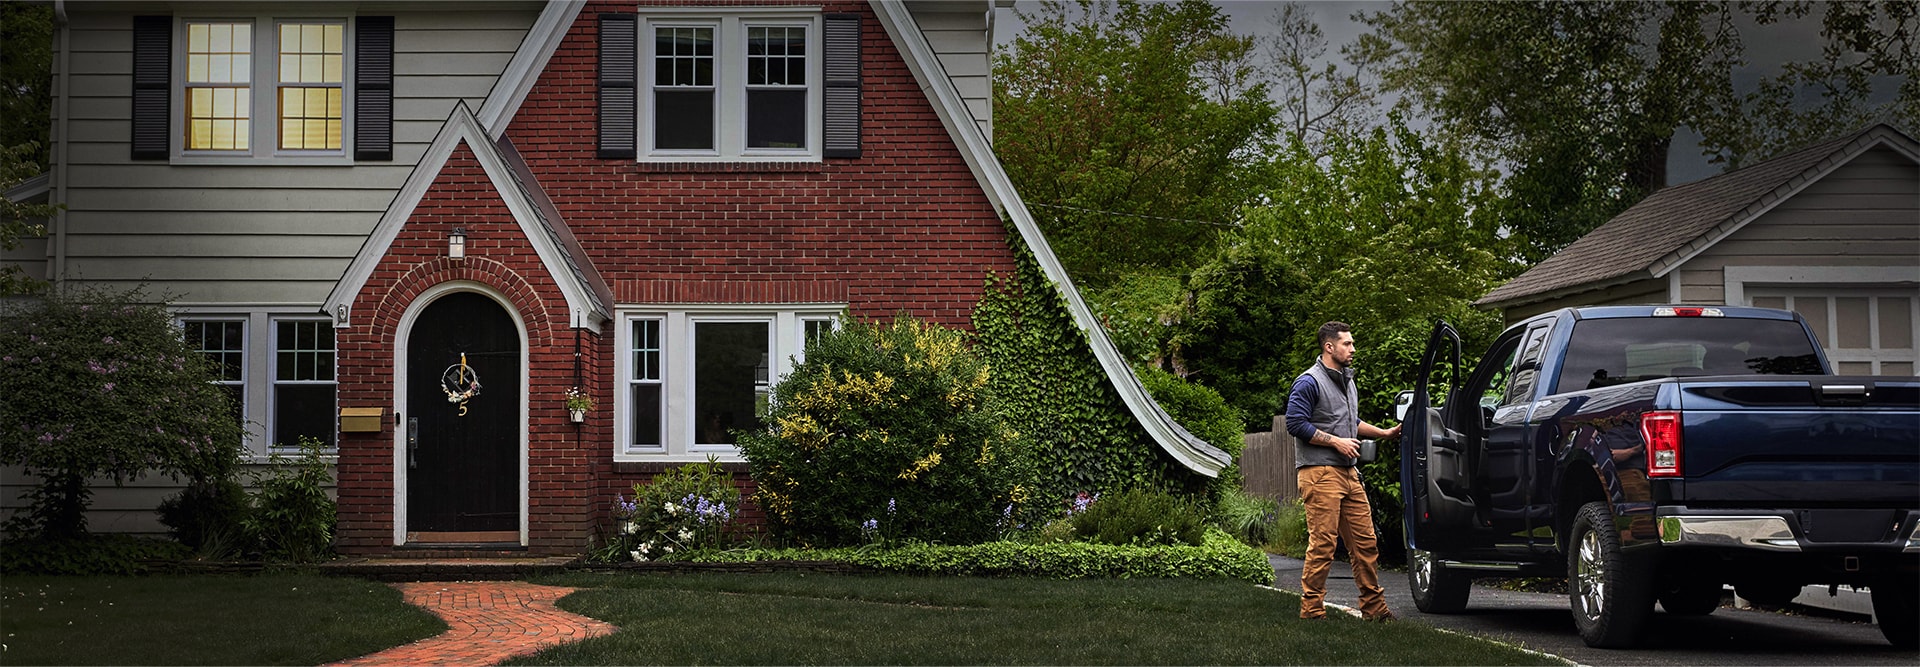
1337 412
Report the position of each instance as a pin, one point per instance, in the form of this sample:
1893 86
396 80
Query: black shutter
152 86
373 88
842 85
619 77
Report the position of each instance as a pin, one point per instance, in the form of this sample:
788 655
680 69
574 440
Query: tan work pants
1337 507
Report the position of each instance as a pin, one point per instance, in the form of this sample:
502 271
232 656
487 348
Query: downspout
64 34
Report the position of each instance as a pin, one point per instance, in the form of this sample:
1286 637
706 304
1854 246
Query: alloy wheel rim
1591 584
1422 570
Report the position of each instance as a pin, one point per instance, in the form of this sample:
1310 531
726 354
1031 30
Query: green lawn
898 620
280 619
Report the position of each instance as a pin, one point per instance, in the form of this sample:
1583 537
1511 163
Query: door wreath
460 383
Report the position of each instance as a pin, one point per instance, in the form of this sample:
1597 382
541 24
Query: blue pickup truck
1659 454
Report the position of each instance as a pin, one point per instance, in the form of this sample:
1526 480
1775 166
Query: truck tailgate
1782 442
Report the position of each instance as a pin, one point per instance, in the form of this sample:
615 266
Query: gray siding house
1830 231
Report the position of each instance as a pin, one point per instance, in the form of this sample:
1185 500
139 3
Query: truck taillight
1661 432
1688 311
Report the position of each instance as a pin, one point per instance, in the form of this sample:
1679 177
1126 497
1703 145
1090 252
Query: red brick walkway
488 621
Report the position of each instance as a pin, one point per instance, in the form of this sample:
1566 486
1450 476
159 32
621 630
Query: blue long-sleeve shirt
1300 403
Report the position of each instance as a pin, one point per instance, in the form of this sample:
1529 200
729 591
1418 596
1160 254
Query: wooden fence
1266 465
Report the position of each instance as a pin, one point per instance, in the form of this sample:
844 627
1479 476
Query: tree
26 102
1581 101
101 384
1317 97
1126 127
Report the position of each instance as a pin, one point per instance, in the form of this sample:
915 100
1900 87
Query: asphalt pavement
1542 622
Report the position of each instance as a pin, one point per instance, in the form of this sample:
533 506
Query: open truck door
1436 466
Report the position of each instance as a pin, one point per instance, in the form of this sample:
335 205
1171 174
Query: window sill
631 466
743 167
620 459
273 161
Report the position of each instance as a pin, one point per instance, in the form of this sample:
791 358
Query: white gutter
1192 452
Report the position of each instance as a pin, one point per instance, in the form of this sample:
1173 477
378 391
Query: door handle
413 439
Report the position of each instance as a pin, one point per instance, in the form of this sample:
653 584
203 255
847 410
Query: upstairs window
219 97
312 85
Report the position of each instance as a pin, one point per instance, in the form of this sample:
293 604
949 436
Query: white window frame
246 356
730 83
272 407
786 349
263 94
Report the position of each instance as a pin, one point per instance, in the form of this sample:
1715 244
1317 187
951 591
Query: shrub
209 518
683 510
1289 535
292 517
1140 518
1248 517
98 384
1197 407
888 430
87 556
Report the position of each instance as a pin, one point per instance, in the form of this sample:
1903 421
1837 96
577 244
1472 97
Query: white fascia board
1879 135
919 55
528 62
461 127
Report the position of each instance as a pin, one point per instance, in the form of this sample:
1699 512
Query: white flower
631 528
686 534
672 508
646 547
636 556
668 548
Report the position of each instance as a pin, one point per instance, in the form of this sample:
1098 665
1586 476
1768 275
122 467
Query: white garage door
1865 331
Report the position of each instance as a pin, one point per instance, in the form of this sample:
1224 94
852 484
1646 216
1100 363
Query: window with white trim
304 91
303 382
695 376
224 343
731 87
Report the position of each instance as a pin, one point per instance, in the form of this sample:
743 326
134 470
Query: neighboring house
1831 231
371 207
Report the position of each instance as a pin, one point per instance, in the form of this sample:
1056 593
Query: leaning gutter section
1192 452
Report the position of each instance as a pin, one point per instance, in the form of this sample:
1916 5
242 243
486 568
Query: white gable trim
528 61
463 128
1879 135
1192 452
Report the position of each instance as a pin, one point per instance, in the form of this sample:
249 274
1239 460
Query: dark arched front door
463 470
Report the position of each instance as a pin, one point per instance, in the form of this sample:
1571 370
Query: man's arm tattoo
1321 438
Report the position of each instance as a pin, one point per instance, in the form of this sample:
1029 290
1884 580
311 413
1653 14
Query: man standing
1323 416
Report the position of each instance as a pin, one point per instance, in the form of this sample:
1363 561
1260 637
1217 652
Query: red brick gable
903 228
561 457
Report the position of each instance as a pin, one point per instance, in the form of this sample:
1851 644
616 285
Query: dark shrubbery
888 431
292 518
1140 518
683 510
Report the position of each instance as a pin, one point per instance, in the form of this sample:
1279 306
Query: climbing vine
1053 390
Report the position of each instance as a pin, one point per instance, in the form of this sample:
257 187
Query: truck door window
1608 352
1527 370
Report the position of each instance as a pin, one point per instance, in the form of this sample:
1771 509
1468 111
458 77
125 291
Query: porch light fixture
457 243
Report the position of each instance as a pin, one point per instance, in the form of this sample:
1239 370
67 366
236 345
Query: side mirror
1400 404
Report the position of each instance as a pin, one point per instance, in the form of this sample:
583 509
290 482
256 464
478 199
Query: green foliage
1138 311
98 383
889 429
1124 125
1249 518
292 517
1289 534
683 510
1216 555
1053 388
1141 518
1197 407
89 555
209 517
26 80
1245 325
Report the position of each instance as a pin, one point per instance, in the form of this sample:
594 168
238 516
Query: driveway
1542 622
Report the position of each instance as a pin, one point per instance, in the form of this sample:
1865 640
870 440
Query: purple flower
890 506
108 387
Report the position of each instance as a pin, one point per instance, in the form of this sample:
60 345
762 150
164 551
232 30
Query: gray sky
1768 47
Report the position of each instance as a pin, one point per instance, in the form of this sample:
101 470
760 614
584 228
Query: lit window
219 69
312 57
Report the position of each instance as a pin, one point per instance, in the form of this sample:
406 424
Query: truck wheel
1896 605
1691 598
1611 595
1436 589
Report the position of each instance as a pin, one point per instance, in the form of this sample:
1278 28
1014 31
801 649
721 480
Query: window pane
646 415
1607 352
730 378
683 56
646 350
683 120
302 410
776 119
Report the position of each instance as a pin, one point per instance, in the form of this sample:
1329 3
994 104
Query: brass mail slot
361 420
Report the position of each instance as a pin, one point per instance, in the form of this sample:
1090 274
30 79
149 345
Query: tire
1436 589
1896 606
1692 598
1611 594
